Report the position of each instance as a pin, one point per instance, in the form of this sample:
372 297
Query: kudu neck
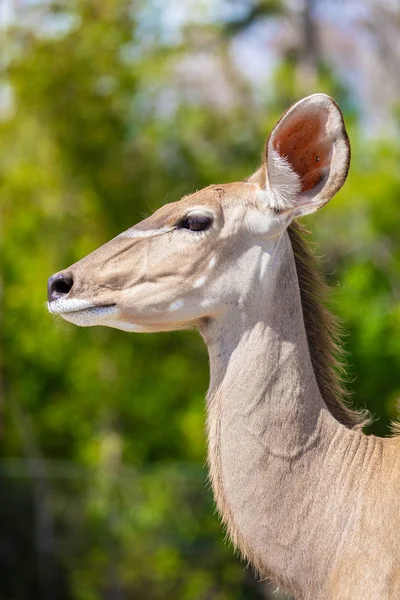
268 425
259 352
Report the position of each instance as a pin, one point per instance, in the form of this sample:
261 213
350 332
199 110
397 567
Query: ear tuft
307 156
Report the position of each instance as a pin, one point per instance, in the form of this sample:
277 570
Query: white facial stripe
144 233
137 233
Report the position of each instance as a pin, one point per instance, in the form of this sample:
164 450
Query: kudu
306 496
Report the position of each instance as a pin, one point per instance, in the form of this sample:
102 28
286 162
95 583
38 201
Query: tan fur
308 499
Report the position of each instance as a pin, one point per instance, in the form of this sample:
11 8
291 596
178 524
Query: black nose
59 285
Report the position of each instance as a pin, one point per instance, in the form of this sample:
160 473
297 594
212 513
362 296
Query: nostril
62 286
59 285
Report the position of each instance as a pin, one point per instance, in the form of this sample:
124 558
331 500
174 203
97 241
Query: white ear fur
284 184
307 157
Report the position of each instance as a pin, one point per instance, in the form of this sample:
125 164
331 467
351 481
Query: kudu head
189 261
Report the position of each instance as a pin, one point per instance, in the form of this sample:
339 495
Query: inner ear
307 156
303 141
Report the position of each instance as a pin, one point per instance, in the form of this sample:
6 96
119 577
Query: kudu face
191 259
172 269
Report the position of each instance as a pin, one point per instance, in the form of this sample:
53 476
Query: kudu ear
307 157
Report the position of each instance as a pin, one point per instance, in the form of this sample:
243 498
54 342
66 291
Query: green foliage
102 132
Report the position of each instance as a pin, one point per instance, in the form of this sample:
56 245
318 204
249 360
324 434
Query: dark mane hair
323 333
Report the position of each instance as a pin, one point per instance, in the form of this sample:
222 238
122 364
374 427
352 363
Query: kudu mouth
58 289
65 306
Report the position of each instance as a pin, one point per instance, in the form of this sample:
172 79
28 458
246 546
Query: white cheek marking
176 305
201 281
264 265
212 263
132 233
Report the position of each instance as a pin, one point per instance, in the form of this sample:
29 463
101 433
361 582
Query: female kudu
305 495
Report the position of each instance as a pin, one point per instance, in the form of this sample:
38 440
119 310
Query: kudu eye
196 221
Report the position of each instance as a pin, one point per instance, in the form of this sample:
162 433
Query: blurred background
108 109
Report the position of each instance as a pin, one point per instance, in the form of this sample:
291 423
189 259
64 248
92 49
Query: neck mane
323 332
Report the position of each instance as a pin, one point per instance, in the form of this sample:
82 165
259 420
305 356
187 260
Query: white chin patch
66 305
91 316
82 312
